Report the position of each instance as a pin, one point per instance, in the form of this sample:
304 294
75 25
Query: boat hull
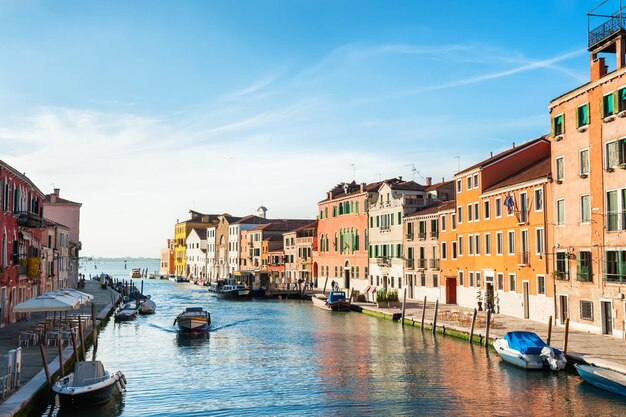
88 395
234 294
323 303
193 325
603 378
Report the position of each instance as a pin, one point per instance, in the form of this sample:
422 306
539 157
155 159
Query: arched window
221 239
340 209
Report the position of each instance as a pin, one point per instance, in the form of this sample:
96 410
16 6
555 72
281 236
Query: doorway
411 294
490 296
564 314
525 289
346 278
607 317
450 290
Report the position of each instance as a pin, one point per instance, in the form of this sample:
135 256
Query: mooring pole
488 325
423 312
76 358
435 316
324 290
566 335
42 349
549 330
94 326
82 338
61 362
403 305
473 323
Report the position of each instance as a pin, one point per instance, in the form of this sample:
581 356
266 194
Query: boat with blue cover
193 320
527 350
602 378
335 301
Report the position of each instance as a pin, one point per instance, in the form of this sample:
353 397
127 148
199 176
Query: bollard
488 325
403 305
42 350
423 312
435 316
472 328
566 335
61 362
549 330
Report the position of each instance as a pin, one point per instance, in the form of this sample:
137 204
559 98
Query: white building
197 253
210 253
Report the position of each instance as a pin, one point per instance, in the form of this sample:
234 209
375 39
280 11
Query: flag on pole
509 202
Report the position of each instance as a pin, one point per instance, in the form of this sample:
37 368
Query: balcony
410 237
410 263
28 219
561 275
383 261
421 235
615 278
434 235
385 228
522 216
614 25
583 274
434 263
524 258
421 263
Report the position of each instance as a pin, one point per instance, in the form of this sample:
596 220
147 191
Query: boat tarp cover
526 342
337 296
87 373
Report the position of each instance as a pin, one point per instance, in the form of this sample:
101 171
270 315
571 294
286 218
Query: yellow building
181 231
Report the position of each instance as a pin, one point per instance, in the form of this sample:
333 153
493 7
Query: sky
144 110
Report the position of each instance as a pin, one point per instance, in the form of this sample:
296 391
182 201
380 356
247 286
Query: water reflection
289 358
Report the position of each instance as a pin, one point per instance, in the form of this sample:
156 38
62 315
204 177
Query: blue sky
144 109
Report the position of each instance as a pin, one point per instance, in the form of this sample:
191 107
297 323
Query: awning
372 289
25 235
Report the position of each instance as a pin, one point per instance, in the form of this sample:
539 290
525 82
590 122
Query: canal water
288 358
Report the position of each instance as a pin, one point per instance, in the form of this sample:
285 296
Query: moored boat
602 378
335 301
233 291
147 306
527 350
89 384
135 273
127 312
193 320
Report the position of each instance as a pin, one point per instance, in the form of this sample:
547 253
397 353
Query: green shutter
392 216
615 100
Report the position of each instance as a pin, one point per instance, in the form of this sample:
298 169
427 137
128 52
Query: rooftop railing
613 25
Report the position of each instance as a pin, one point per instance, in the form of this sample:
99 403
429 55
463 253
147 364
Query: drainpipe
545 222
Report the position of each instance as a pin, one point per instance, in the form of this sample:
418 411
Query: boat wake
166 329
235 323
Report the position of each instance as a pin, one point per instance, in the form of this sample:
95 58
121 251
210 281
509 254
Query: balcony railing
410 263
615 278
421 263
561 275
383 261
434 235
410 236
524 258
434 263
522 216
28 219
385 228
583 275
605 30
421 235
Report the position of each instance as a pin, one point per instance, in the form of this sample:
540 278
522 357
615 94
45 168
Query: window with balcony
562 266
410 231
583 266
434 229
615 269
421 234
583 116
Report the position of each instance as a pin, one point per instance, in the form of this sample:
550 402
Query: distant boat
335 301
193 320
135 273
527 350
89 384
605 379
234 292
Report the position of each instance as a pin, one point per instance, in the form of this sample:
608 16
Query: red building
21 226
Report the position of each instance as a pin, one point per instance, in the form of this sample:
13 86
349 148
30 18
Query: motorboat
233 291
89 384
335 301
147 306
135 273
527 350
193 320
602 378
127 312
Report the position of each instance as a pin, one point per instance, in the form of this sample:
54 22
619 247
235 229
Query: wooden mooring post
403 305
81 336
423 312
435 316
325 282
549 330
61 361
74 343
42 349
472 328
566 335
94 327
488 326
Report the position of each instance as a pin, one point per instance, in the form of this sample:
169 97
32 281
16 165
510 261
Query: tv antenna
458 158
415 171
353 172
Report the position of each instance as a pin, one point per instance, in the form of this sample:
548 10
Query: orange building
589 161
342 237
495 242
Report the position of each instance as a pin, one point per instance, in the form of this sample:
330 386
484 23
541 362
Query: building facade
166 266
196 253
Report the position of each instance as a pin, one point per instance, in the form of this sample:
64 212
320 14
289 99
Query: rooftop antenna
380 176
458 157
415 171
353 172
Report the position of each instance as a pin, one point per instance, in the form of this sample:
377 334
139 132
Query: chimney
598 68
429 181
56 191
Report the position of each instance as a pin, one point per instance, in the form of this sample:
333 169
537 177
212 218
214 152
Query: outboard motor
548 356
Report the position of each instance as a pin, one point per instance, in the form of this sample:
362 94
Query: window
498 206
512 282
470 245
459 186
560 212
476 211
583 162
558 127
475 180
586 310
487 243
539 241
562 266
461 278
583 266
499 243
444 250
453 216
470 216
560 169
443 223
486 209
500 276
459 215
585 209
621 99
539 199
460 247
541 285
435 280
583 115
471 279
454 251
607 105
615 153
477 244
469 183
511 242
615 268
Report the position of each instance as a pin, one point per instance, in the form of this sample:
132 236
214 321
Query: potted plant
479 299
496 301
387 298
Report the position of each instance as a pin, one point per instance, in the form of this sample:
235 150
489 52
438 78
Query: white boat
89 384
193 320
127 312
135 273
235 292
147 306
527 350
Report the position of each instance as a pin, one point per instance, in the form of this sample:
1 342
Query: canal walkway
32 378
602 350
